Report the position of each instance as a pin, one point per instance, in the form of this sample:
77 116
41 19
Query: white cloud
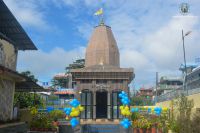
148 35
45 64
28 12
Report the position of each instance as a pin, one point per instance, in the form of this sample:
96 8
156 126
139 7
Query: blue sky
148 34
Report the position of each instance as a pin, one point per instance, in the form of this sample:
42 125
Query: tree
30 75
141 101
25 100
61 82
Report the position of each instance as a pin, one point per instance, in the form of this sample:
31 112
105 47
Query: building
62 80
168 83
100 81
145 92
12 39
193 79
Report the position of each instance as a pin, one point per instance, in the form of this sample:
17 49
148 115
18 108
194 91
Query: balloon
164 109
121 107
125 123
74 103
81 108
74 122
149 110
73 109
126 108
123 112
128 113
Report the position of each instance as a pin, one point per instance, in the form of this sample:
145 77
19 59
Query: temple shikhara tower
100 81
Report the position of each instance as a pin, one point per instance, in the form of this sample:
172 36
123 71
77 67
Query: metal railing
174 94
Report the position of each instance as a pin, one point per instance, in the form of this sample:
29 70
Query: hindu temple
100 81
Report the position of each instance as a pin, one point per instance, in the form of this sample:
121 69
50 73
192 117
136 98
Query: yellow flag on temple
99 12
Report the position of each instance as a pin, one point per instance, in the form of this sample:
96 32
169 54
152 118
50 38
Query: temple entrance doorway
101 104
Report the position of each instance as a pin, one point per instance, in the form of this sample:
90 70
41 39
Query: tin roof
12 31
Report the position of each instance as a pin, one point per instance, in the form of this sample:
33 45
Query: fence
173 94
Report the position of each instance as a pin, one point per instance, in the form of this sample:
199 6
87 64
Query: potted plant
135 126
143 124
134 117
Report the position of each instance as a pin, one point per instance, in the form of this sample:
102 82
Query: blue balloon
74 122
126 125
149 110
120 95
74 103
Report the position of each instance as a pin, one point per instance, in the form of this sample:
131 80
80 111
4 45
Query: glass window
86 102
83 98
115 105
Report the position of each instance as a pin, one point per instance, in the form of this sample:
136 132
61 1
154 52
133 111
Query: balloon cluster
125 123
134 110
124 109
74 112
157 110
124 98
67 111
74 103
74 122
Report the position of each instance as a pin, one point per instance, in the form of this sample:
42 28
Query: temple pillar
108 105
94 105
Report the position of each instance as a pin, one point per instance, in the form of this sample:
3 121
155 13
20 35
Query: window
101 81
117 81
115 104
86 102
86 81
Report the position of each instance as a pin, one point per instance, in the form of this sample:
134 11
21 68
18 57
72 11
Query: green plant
41 120
184 108
26 100
195 122
143 122
56 114
135 116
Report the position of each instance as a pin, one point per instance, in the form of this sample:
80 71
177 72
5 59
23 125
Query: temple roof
12 31
103 68
102 48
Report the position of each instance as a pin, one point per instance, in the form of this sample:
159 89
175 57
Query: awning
63 93
29 86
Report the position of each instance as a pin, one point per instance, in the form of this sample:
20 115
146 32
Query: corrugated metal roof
12 31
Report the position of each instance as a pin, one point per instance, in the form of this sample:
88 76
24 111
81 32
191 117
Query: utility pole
184 56
156 97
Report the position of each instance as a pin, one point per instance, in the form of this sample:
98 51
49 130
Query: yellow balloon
72 114
121 107
164 109
128 113
73 109
123 112
126 108
81 108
